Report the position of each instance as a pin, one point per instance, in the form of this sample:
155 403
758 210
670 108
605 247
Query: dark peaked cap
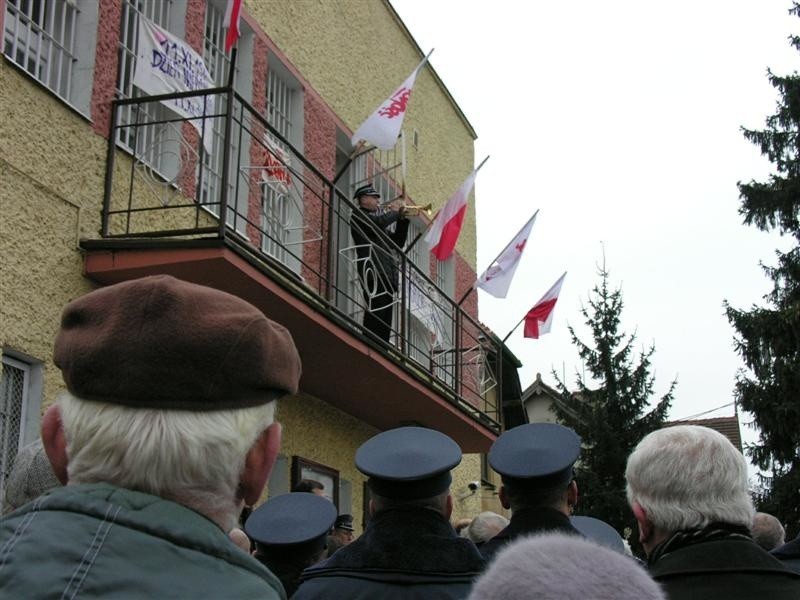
366 190
159 342
536 454
288 519
408 463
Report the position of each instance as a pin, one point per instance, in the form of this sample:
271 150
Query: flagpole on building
508 335
428 225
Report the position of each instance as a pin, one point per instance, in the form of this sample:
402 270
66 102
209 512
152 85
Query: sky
620 121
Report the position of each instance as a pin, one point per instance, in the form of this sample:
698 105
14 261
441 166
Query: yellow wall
354 54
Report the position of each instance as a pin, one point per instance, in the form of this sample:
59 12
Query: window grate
13 393
40 37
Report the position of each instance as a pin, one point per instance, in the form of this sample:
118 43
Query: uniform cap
366 190
408 463
289 519
599 532
159 342
344 522
539 454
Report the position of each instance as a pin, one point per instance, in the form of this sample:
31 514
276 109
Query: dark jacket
528 521
101 541
405 553
727 569
376 246
789 554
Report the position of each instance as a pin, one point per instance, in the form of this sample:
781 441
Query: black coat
376 245
727 569
405 553
528 521
789 554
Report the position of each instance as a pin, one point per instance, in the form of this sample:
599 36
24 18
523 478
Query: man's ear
55 442
572 494
503 495
448 507
645 526
371 507
258 464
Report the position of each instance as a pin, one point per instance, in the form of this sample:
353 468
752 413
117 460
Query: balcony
225 200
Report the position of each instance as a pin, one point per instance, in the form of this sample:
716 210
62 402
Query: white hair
192 458
767 531
485 526
566 567
688 476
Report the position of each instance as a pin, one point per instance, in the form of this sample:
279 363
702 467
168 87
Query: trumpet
412 210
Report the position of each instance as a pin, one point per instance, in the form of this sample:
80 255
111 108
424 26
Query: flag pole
508 335
428 225
508 245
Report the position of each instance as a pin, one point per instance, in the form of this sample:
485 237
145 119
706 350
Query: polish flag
497 278
382 127
540 317
443 233
233 16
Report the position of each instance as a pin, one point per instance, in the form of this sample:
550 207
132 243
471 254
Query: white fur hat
563 567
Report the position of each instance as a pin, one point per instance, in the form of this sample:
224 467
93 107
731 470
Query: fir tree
768 338
611 412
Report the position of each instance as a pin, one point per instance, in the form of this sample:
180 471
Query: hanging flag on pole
166 64
382 127
232 22
497 278
443 233
539 319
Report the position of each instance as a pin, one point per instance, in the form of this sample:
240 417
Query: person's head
171 390
767 531
367 197
566 567
342 530
31 476
485 526
409 467
310 486
535 463
686 477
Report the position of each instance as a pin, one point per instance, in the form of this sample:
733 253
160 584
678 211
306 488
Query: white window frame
53 41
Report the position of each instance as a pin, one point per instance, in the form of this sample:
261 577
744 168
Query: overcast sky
620 121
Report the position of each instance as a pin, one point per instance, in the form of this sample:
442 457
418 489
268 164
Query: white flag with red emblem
539 319
497 278
233 17
382 127
443 233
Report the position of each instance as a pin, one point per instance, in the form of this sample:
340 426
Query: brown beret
159 342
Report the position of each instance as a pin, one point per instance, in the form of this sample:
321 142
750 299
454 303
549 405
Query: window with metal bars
154 144
43 38
14 388
281 204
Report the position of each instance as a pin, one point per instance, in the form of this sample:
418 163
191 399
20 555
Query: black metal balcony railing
262 196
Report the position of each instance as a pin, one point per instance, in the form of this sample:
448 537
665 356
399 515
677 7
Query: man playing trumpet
377 246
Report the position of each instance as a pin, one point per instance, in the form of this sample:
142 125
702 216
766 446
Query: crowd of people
166 433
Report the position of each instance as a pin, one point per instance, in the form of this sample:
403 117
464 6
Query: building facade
99 183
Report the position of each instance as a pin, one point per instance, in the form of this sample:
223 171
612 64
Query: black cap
538 454
344 522
600 532
408 463
366 190
294 518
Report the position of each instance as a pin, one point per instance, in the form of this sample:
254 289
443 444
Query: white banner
167 64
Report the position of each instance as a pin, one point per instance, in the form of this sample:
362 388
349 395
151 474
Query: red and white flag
497 278
443 233
540 317
382 127
233 17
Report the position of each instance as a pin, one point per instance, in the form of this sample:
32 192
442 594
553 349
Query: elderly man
535 462
409 550
767 531
165 432
687 487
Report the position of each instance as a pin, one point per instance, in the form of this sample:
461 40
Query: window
328 477
158 145
20 397
53 41
282 195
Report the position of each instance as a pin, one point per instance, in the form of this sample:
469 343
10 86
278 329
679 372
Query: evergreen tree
613 416
768 338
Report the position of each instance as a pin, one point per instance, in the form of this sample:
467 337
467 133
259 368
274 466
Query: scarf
690 537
